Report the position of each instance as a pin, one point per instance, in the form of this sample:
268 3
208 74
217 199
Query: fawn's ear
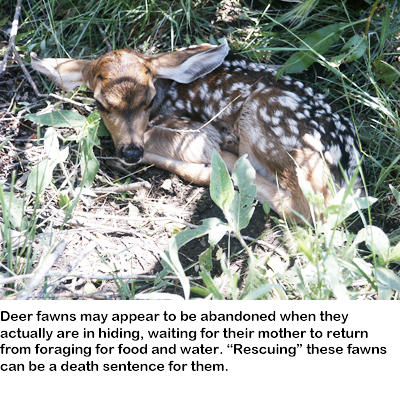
187 65
65 72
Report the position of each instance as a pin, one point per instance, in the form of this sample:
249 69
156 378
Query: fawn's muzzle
132 154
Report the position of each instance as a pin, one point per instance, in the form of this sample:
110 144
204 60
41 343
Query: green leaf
260 292
64 202
384 28
266 207
210 285
376 240
333 277
389 73
97 124
89 166
51 144
89 163
13 210
205 260
221 187
41 175
58 119
170 258
342 207
395 254
319 43
396 194
355 47
388 278
209 226
242 206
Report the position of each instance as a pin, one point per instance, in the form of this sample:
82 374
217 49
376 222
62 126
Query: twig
13 34
27 74
104 228
271 247
140 219
108 44
65 99
11 46
92 296
123 188
12 279
42 270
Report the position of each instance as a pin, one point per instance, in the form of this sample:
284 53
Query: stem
371 14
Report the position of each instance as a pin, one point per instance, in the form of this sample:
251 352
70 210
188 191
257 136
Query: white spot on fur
260 86
300 115
299 84
179 104
336 154
309 91
293 126
217 95
278 130
204 91
174 93
313 142
238 86
275 121
264 114
289 102
293 95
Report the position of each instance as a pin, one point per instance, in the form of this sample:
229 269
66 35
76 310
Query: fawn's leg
188 153
178 146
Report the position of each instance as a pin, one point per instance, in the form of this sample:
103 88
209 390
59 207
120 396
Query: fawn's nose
132 154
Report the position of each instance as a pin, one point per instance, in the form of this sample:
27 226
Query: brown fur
181 106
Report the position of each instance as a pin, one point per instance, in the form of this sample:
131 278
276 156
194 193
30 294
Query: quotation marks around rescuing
240 349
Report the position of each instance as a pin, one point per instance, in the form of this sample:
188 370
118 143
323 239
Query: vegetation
347 49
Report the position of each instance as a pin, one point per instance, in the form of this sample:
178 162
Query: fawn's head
123 85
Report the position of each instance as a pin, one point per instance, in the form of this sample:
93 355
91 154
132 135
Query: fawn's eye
100 106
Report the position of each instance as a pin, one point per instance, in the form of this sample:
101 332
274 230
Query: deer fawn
173 109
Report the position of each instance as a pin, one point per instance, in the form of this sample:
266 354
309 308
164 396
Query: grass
358 71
